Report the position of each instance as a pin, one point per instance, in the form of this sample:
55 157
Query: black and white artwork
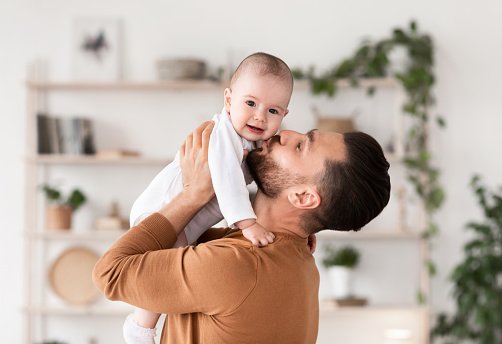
97 49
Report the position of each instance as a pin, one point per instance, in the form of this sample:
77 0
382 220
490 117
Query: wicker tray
70 276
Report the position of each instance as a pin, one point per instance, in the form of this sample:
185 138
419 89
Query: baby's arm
255 233
225 158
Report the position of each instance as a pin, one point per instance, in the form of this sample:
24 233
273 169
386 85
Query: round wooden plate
70 276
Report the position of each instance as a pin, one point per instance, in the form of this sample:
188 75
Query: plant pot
337 124
58 217
341 281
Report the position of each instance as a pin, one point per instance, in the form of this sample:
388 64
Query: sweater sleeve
225 164
140 269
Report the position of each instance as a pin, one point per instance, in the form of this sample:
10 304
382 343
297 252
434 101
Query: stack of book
57 135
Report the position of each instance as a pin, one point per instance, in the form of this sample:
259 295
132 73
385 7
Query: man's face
291 158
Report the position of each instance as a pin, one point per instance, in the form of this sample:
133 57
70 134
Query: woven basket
181 69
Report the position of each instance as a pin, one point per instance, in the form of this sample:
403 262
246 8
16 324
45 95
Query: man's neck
277 215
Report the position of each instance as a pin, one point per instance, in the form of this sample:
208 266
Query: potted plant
61 208
407 54
477 280
340 264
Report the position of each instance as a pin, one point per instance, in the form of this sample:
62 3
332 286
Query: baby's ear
285 113
227 99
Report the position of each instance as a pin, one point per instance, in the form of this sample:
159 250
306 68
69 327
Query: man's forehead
330 143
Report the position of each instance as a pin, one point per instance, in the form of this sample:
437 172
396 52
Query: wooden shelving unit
57 159
193 85
36 163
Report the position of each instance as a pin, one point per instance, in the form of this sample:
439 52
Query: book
43 141
64 135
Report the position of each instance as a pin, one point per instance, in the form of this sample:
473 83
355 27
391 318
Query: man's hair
353 191
264 64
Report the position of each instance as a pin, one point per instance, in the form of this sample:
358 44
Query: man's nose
286 135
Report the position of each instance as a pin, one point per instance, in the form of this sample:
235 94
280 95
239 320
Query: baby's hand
258 235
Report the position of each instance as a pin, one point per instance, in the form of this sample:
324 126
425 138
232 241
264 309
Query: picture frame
97 49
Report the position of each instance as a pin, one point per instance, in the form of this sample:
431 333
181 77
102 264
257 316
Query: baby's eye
273 111
250 103
299 147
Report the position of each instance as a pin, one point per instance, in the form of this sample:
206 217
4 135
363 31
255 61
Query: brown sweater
222 291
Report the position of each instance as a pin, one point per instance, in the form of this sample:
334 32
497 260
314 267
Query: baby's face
257 104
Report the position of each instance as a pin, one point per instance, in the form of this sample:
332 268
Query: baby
254 107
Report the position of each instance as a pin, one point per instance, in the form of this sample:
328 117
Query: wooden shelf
89 235
184 85
79 311
328 308
181 85
388 82
58 159
368 234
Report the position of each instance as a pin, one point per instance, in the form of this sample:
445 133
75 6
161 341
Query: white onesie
229 176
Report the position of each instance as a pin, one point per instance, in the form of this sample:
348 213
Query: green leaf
431 267
441 122
52 194
421 298
76 199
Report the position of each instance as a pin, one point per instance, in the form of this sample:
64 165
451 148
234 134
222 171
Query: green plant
346 256
477 280
371 60
74 200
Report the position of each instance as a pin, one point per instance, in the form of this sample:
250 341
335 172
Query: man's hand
194 166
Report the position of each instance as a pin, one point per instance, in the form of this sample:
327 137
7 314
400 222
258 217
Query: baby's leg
142 331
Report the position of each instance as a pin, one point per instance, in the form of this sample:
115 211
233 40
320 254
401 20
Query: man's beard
270 178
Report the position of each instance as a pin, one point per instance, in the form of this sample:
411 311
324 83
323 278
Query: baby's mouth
255 130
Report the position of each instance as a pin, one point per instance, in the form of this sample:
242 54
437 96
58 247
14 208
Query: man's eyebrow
310 138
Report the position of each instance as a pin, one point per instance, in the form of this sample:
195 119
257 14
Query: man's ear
227 99
304 197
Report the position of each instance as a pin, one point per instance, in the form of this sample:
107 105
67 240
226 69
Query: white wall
467 38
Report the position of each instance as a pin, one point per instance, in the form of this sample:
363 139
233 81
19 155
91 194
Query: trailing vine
371 60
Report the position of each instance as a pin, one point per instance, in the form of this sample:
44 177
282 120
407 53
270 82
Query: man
227 290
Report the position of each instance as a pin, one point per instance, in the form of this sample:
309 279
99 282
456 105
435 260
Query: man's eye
299 147
273 111
250 103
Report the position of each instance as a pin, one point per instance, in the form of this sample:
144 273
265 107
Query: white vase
341 281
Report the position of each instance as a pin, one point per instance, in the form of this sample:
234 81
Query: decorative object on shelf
339 124
352 302
116 154
60 209
70 276
477 280
416 75
97 49
56 135
113 220
181 69
340 264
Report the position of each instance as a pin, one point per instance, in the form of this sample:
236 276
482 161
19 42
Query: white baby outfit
229 176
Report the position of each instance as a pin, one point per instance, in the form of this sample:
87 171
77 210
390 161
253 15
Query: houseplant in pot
477 279
60 208
340 264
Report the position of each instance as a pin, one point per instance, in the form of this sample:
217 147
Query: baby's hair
264 64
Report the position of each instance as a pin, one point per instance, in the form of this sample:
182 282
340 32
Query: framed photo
97 49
